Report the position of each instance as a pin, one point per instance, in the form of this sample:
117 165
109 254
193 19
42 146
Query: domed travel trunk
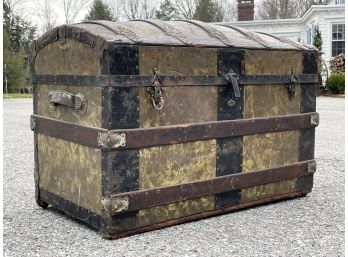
145 124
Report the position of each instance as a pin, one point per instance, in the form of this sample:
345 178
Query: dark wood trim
71 209
147 198
116 234
68 131
176 134
144 81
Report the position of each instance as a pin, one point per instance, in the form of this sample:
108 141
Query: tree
46 13
317 40
277 9
16 70
284 9
185 8
17 36
166 12
139 9
99 11
20 33
229 9
208 11
15 6
72 8
116 7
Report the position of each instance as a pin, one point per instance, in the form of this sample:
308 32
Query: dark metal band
144 81
147 198
167 135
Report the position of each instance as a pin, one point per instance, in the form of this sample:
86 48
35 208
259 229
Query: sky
29 11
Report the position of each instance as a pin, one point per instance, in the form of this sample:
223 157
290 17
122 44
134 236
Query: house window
310 33
309 36
337 2
338 39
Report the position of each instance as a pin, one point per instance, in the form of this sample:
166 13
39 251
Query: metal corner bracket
32 123
315 119
312 167
113 205
109 140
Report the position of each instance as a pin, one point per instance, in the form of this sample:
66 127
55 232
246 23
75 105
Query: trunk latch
155 91
232 79
291 86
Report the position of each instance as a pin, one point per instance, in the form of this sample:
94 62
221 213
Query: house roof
314 9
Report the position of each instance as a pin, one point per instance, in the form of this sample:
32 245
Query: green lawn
17 95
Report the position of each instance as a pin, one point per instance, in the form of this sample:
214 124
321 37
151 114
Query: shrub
336 82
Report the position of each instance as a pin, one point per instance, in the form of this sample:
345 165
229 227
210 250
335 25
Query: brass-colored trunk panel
268 190
271 100
263 151
271 149
174 164
92 116
182 104
71 171
68 57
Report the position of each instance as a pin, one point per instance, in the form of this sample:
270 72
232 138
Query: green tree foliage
21 32
166 11
317 40
208 11
16 69
18 35
99 11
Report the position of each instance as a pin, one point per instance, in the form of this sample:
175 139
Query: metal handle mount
59 97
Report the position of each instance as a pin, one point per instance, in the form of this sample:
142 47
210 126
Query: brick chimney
245 10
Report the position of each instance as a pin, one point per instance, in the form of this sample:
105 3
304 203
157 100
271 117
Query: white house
329 18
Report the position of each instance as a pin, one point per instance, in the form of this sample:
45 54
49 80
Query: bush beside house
336 83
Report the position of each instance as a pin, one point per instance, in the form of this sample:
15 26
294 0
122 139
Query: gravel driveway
307 226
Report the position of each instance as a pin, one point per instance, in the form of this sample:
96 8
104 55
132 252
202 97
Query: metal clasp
291 86
233 79
155 91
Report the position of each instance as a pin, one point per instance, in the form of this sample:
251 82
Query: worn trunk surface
211 149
